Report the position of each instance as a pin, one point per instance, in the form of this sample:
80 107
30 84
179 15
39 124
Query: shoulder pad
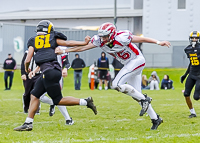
188 47
31 42
124 37
60 35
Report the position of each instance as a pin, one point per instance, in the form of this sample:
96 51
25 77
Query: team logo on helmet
45 26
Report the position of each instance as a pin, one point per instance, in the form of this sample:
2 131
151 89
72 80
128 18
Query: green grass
118 117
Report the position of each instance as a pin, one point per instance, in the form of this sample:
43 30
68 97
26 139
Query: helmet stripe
49 27
191 34
198 34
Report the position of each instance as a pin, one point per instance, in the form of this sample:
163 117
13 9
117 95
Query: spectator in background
117 66
77 64
166 83
103 66
9 67
144 83
154 81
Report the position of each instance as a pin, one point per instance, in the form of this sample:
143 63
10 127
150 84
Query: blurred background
170 20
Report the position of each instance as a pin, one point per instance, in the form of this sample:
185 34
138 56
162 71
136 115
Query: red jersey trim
116 42
133 49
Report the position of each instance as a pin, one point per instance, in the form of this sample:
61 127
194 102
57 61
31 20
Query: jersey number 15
194 61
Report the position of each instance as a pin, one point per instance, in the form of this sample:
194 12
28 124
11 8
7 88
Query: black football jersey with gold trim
44 48
194 55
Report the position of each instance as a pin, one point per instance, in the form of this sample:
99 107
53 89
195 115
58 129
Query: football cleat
145 105
25 111
24 127
90 105
192 116
52 110
69 122
156 123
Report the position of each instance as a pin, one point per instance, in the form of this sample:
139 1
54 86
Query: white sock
45 99
83 102
64 112
152 113
106 88
100 87
29 120
192 111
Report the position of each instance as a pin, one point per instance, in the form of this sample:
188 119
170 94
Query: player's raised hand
183 78
87 39
165 43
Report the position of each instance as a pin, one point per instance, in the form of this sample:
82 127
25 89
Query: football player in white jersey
64 63
121 46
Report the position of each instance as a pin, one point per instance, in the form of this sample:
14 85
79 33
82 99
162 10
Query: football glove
183 78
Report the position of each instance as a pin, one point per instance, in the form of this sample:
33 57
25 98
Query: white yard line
121 139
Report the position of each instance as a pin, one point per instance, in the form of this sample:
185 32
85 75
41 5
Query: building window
138 4
181 4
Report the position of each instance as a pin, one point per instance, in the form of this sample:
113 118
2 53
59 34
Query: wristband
158 42
63 51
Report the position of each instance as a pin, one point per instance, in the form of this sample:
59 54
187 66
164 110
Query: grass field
118 117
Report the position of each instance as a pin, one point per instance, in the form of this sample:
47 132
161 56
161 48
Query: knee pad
114 85
186 94
125 88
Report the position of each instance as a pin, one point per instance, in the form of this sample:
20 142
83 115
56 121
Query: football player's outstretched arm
29 57
139 39
61 42
75 49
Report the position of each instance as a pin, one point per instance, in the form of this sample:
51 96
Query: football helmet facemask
196 35
107 29
45 26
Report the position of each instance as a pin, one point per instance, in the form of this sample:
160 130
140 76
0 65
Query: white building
170 20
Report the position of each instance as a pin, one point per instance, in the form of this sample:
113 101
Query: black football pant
49 82
28 86
190 82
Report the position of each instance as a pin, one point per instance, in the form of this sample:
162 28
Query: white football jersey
122 49
59 57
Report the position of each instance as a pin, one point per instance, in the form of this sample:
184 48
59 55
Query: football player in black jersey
44 45
193 53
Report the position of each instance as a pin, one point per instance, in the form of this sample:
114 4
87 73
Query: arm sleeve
95 40
188 69
22 64
65 62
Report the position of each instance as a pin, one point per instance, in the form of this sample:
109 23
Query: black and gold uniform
45 57
193 53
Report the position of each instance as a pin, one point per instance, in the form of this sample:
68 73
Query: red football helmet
107 29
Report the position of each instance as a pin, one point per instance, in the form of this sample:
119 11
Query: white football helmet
107 29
